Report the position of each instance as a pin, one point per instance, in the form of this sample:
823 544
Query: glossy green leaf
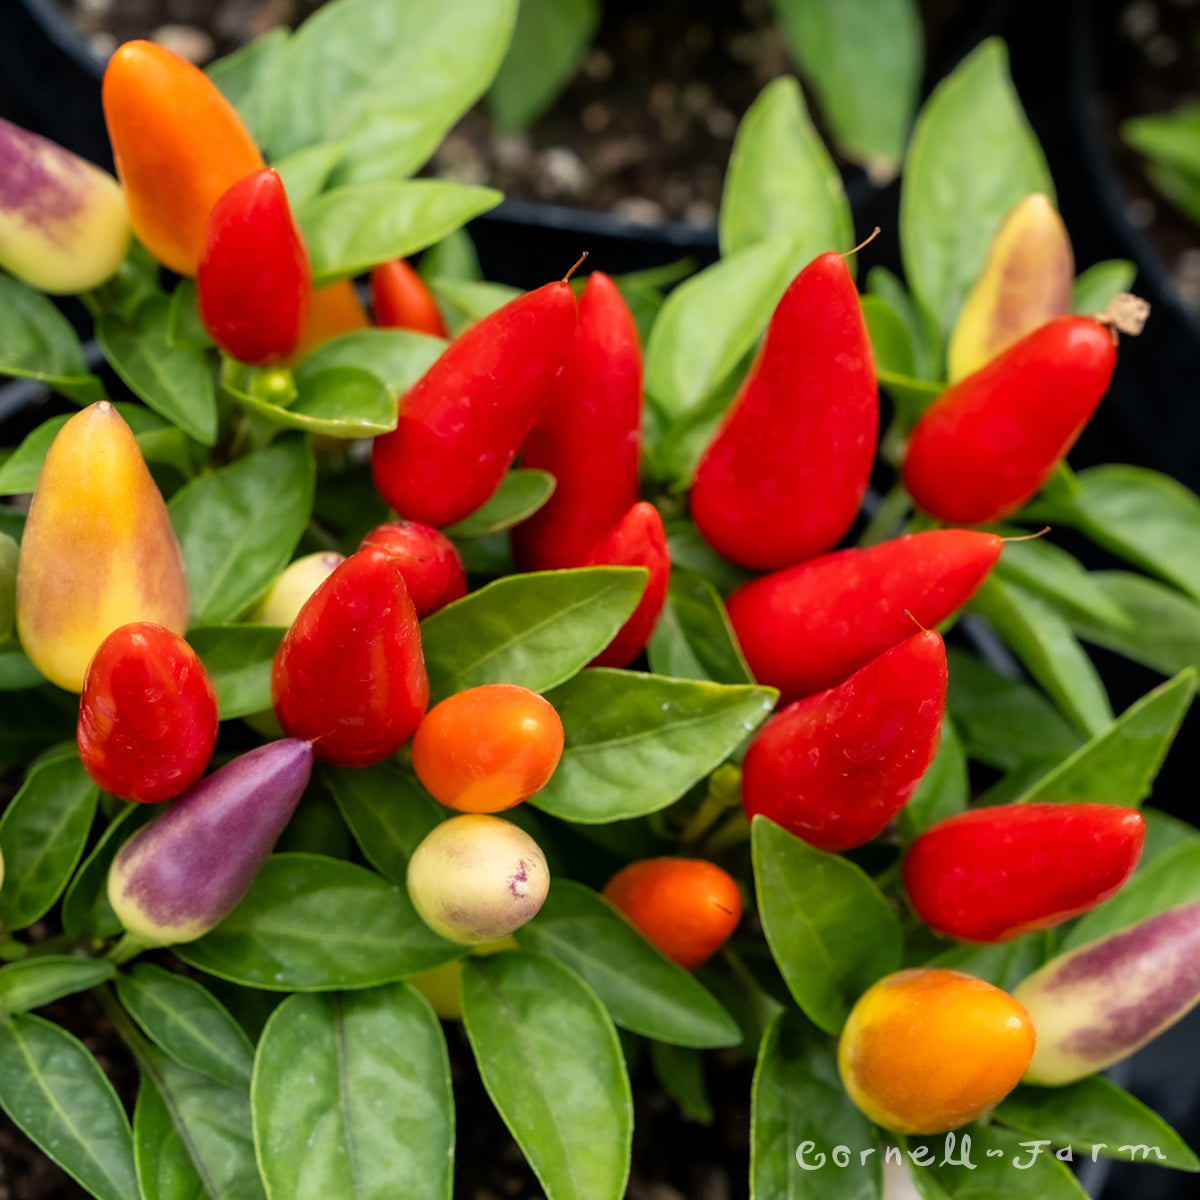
243 77
1002 964
187 1023
944 788
1172 138
350 229
922 335
388 812
781 181
17 673
397 356
10 551
890 341
1145 517
352 1098
1096 286
863 58
635 743
164 1168
386 78
680 1073
693 638
1164 625
465 301
56 1093
521 493
212 1123
311 924
1043 641
1092 1113
643 991
341 402
453 258
1119 764
307 171
175 381
799 1112
33 982
1173 878
536 630
1004 722
548 43
552 1064
830 929
238 526
238 660
85 909
42 835
689 549
994 1156
711 321
971 159
1039 566
184 327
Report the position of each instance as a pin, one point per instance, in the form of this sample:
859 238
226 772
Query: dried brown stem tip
1125 313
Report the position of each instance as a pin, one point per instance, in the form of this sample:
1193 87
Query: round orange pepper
178 145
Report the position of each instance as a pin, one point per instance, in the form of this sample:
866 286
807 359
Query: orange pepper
178 145
335 309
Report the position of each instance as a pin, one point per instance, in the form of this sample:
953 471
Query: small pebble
187 41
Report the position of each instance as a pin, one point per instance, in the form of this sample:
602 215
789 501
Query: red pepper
427 558
147 715
834 769
462 422
400 300
349 675
784 476
637 540
586 436
810 626
995 873
989 442
254 284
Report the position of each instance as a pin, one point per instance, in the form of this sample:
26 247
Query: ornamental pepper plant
598 682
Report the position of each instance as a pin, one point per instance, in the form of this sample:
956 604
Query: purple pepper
184 872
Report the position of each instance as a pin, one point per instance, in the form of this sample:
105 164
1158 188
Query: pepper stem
130 946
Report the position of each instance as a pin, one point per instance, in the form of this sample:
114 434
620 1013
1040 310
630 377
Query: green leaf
1091 1113
56 1093
1096 286
1164 625
397 356
1055 575
187 1023
463 302
85 909
1004 722
211 1121
536 630
37 342
350 229
386 78
33 721
238 526
10 551
1145 517
243 77
352 1098
342 402
184 327
1181 188
680 1073
689 549
798 1112
1172 138
48 977
1050 651
1171 879
175 381
164 1167
890 340
643 991
387 810
307 171
922 336
781 181
17 673
1119 764
453 258
311 924
829 927
709 323
521 493
971 159
238 659
944 788
548 43
693 638
863 58
635 743
993 1154
42 836
552 1064
1002 964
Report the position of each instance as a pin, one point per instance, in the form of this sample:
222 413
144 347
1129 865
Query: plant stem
130 946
